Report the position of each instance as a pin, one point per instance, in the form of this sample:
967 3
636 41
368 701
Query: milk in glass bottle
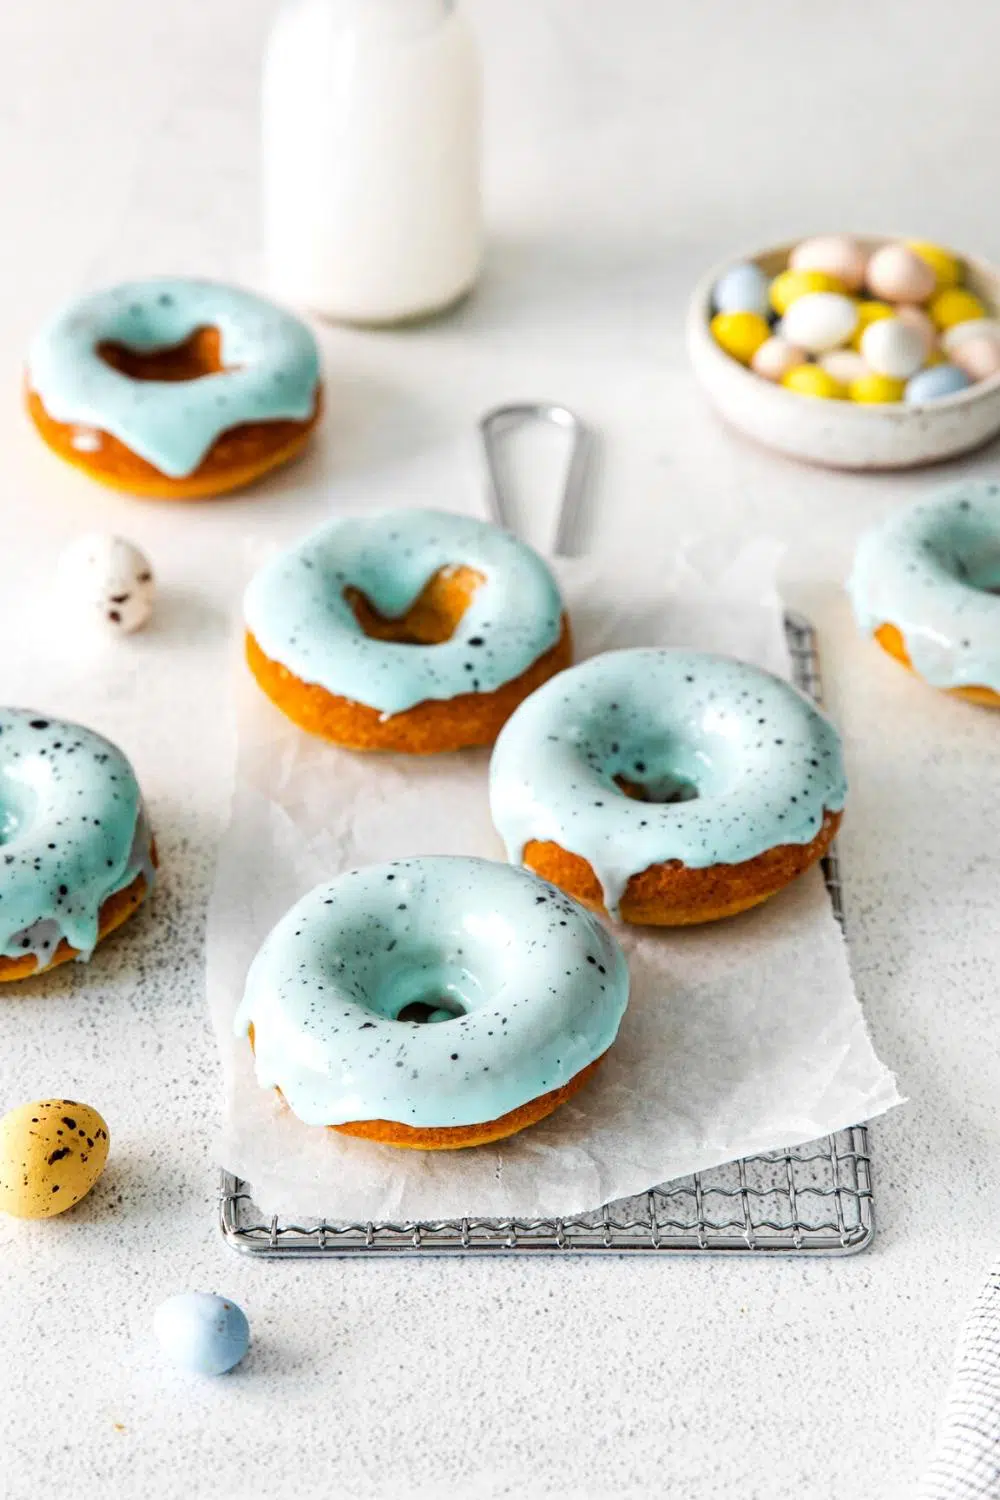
371 157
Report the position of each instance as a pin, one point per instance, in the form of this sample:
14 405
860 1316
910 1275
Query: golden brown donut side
427 728
114 911
890 638
455 1137
235 459
672 894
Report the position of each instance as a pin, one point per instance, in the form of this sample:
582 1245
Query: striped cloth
966 1463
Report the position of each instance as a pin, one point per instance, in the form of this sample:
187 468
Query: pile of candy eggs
842 321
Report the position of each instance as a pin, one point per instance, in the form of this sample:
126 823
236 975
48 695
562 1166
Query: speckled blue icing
735 762
933 571
272 368
533 986
72 832
296 609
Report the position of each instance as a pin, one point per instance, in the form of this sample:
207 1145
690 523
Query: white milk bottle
371 157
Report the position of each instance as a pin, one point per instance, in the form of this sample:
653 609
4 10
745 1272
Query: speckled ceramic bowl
842 434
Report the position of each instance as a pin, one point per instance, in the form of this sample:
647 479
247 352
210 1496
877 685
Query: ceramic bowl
842 434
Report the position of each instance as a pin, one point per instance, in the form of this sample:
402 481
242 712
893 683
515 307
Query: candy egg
955 305
898 275
947 268
740 334
820 321
836 254
973 328
931 385
775 357
874 389
51 1154
789 286
869 312
743 288
979 358
109 579
810 380
844 365
918 319
892 347
201 1332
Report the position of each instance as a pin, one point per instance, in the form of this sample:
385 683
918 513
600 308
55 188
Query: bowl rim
700 316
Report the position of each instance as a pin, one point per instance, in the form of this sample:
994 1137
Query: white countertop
630 145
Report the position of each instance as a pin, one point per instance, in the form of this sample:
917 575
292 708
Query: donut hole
196 357
666 788
429 1012
422 987
431 619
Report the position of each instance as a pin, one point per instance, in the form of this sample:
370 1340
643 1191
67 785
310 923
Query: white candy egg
845 365
892 347
109 579
820 321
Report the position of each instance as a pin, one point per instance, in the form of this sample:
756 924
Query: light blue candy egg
201 1332
742 288
932 384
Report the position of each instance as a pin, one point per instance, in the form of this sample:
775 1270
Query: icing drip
296 608
722 761
72 833
271 368
933 571
537 988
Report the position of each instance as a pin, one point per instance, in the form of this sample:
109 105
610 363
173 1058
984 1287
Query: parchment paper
741 1036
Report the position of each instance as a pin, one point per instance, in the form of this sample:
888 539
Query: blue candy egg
932 384
201 1332
743 288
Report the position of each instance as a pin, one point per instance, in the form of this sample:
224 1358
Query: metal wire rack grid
813 1199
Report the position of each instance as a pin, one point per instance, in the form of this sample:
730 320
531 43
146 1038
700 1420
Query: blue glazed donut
76 853
415 630
173 387
666 786
926 585
432 1003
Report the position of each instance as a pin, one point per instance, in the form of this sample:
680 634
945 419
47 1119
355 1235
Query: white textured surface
126 146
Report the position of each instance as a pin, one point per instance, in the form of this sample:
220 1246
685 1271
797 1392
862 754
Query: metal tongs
497 424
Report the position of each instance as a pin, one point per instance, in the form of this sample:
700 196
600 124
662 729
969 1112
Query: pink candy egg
775 357
845 365
916 318
836 254
896 274
978 357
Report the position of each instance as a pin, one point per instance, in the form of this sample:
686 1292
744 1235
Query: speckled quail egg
108 579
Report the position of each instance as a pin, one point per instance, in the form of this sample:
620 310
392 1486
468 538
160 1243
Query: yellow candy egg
788 286
51 1154
946 267
876 388
812 380
870 312
740 334
954 305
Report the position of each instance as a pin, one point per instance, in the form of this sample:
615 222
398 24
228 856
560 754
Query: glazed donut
411 630
174 389
926 583
432 1003
667 787
77 853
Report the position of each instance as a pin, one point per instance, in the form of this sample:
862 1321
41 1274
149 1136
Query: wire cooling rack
807 1200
